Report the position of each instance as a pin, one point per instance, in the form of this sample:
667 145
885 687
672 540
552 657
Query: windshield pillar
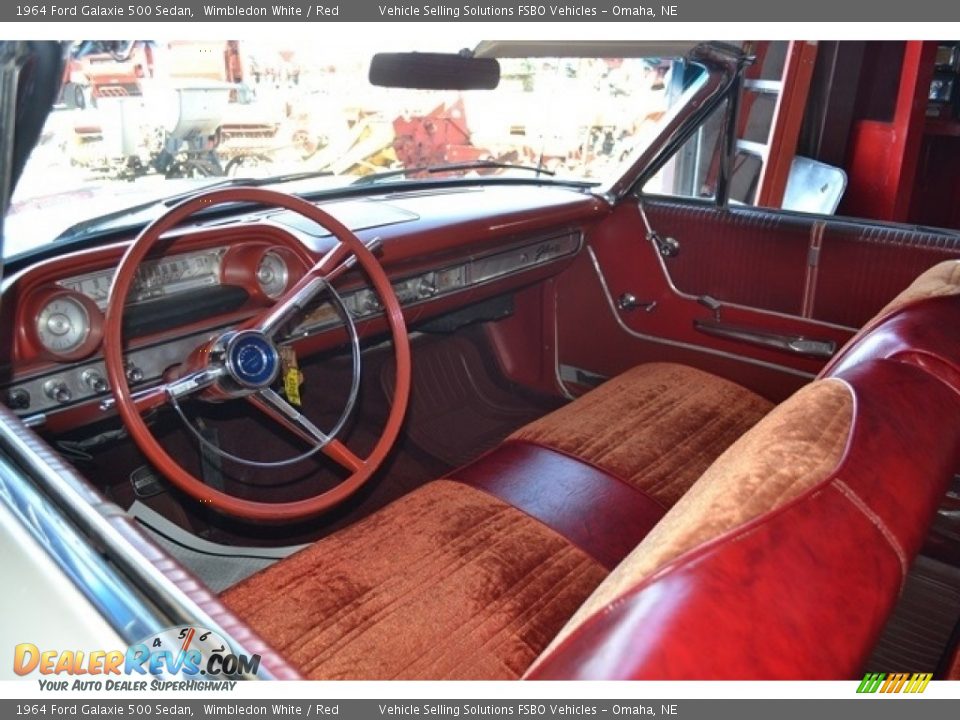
10 53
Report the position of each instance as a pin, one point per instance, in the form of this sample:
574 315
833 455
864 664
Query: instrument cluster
64 320
155 278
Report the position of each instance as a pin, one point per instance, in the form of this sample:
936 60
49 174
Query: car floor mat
919 630
460 406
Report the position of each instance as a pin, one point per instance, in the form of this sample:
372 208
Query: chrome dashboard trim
38 420
151 359
150 282
476 272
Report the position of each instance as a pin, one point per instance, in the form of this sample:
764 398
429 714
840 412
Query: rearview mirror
434 71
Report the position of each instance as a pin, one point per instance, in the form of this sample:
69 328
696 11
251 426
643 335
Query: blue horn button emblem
252 360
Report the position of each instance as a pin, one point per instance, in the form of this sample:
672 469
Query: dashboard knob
94 380
134 374
18 399
427 287
57 390
370 304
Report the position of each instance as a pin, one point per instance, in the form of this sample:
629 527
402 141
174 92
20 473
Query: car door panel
592 338
863 267
748 257
775 275
594 334
830 269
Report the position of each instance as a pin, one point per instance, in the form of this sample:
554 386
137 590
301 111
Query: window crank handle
628 302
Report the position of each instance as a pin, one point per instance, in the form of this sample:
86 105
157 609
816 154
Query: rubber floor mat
919 630
459 407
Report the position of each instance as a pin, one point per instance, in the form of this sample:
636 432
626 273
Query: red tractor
111 69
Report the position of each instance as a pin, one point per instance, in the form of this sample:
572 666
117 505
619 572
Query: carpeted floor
917 634
460 407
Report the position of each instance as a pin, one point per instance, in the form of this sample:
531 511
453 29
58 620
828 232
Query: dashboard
209 278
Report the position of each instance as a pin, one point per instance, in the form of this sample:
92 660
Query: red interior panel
751 258
603 515
593 334
863 268
828 269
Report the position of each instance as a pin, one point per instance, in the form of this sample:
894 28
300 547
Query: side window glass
693 170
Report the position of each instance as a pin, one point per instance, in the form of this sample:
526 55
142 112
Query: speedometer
272 274
63 325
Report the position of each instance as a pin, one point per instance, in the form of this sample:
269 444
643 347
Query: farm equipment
96 70
173 132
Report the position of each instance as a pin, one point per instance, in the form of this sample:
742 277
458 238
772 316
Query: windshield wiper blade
85 227
451 167
493 165
283 178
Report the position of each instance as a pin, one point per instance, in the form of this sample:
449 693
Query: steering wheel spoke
279 410
340 453
143 400
374 246
157 396
193 382
151 398
277 316
334 264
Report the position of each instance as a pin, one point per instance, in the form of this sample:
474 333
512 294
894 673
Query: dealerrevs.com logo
178 658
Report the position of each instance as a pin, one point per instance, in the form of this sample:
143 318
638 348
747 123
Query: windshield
156 119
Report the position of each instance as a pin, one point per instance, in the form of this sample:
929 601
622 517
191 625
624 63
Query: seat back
917 326
941 280
786 557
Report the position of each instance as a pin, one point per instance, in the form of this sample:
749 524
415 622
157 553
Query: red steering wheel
242 363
